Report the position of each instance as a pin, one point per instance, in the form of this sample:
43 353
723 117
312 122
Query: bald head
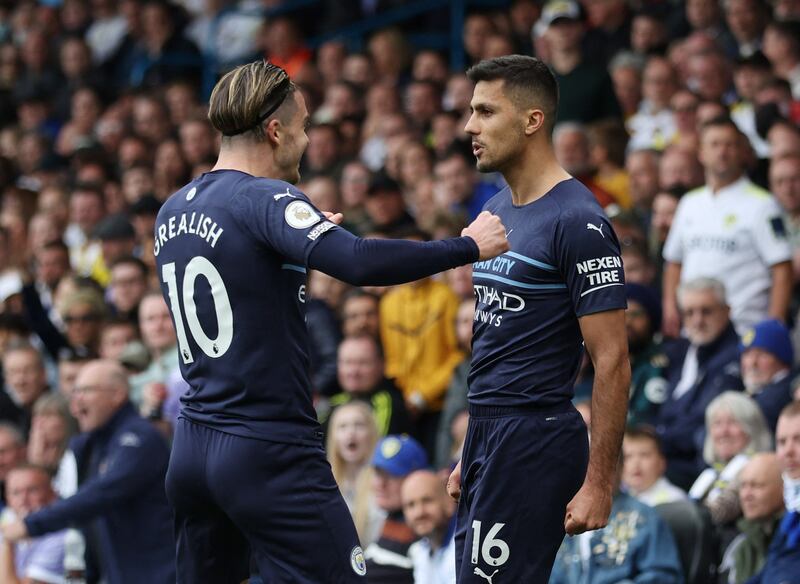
426 506
101 390
761 487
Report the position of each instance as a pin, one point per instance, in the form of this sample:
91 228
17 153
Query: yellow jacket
419 339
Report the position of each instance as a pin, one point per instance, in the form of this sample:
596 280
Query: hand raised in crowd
46 443
489 233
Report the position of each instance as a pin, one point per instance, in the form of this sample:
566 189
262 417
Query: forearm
781 292
8 573
672 277
609 411
386 262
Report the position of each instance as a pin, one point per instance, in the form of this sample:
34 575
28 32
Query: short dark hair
529 81
723 121
644 432
133 261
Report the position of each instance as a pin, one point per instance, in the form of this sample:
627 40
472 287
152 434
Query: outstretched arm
385 262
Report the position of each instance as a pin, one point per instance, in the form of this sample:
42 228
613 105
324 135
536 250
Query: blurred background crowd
680 116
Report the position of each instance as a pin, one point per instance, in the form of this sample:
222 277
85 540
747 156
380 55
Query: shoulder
135 432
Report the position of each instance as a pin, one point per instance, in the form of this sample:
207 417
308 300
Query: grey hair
749 416
627 60
564 127
703 284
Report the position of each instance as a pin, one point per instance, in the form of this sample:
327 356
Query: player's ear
273 130
534 121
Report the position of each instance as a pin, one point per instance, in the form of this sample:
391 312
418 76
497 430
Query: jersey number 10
199 266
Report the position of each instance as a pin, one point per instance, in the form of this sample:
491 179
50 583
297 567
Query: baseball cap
383 183
772 336
114 227
558 10
399 455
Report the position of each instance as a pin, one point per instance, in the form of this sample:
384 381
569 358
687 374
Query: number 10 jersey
231 251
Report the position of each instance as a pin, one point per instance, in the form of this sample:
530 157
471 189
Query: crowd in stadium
683 118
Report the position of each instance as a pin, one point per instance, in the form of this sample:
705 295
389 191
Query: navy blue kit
526 450
248 477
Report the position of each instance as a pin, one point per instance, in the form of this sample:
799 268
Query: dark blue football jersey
564 263
231 250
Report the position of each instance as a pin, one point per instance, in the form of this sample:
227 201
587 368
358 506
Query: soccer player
248 473
560 288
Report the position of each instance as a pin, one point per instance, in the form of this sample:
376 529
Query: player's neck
253 161
533 175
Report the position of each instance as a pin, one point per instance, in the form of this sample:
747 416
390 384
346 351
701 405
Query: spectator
586 91
746 20
360 374
761 499
158 335
12 453
648 361
783 555
360 315
40 559
127 287
665 204
643 468
752 261
388 561
639 268
784 182
607 142
735 430
635 544
767 357
116 335
52 428
117 240
626 77
86 209
121 493
750 76
26 382
679 170
642 168
421 349
701 367
83 313
455 401
458 183
385 207
431 515
653 126
782 48
352 436
571 148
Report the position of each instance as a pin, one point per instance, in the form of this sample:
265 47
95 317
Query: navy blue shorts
235 497
519 469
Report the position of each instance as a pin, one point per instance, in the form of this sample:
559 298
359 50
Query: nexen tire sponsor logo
319 230
504 300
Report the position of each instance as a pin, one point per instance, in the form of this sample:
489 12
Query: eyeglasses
82 318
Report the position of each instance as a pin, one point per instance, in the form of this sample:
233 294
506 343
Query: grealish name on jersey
193 223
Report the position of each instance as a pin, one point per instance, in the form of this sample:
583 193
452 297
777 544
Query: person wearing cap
767 357
233 248
388 560
648 359
586 93
385 207
117 239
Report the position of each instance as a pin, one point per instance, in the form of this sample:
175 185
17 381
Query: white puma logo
509 233
596 228
479 572
286 194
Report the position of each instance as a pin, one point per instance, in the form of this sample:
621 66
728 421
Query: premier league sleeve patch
301 215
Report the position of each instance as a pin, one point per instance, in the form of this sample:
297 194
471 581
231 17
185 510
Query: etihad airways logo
503 300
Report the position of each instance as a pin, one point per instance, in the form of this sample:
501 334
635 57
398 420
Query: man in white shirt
430 514
730 230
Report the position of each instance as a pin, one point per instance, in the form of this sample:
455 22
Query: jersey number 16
199 266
